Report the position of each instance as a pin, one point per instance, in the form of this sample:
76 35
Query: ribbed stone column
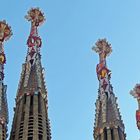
1 132
116 134
43 112
109 134
35 115
26 119
18 121
102 136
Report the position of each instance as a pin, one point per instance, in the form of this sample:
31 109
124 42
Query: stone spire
108 123
5 34
136 94
33 72
31 113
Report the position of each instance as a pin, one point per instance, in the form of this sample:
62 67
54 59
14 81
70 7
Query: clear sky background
71 29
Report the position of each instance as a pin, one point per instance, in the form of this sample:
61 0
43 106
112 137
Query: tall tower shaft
31 112
5 34
108 124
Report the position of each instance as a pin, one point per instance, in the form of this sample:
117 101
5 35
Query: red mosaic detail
138 118
34 41
138 115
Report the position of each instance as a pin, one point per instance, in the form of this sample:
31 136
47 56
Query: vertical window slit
112 134
24 99
40 137
105 133
31 105
39 103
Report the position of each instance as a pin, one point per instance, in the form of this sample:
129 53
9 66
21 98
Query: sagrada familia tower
31 120
31 112
5 34
108 123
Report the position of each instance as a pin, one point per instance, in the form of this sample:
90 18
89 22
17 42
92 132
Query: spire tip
136 91
5 31
36 16
102 47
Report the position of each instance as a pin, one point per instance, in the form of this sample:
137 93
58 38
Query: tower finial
35 16
136 94
5 34
5 31
103 48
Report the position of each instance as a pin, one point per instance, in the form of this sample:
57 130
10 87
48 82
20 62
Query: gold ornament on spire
35 16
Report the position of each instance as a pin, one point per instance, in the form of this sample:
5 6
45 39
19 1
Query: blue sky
72 27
